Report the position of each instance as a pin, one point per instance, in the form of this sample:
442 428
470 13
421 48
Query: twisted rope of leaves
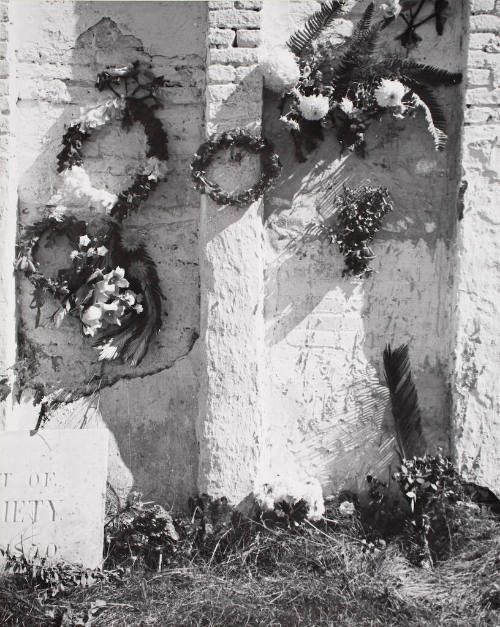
237 138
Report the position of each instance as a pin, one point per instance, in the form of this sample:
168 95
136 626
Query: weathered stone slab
52 493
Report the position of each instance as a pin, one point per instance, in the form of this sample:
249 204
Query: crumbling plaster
269 361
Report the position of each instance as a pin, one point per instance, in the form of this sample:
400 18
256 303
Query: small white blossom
346 106
389 93
74 254
293 125
313 107
347 508
84 240
279 68
102 250
138 308
91 252
392 8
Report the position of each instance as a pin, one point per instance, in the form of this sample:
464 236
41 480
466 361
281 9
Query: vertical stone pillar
8 218
476 385
231 269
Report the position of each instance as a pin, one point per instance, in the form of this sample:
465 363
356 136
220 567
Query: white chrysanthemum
392 8
84 240
77 189
346 105
389 93
285 489
279 68
313 107
347 508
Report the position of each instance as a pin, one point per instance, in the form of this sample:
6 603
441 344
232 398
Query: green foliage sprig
359 212
235 139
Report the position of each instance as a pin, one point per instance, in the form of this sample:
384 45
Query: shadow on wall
328 405
151 410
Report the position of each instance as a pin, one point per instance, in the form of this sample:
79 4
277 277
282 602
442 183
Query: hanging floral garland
235 139
347 87
111 283
359 212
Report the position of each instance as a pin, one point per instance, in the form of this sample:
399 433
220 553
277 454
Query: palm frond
313 27
404 401
434 114
427 74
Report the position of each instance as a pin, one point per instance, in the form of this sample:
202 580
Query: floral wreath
236 138
126 310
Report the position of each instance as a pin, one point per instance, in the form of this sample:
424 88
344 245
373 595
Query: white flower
84 240
155 169
291 490
91 319
389 93
392 8
76 189
129 298
74 254
91 252
138 308
346 105
293 125
313 107
101 251
347 508
279 68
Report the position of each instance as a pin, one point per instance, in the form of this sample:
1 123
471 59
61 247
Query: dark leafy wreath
137 92
237 138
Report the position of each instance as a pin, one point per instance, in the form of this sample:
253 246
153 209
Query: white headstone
52 493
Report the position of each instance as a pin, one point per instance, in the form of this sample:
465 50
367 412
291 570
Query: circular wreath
94 287
236 138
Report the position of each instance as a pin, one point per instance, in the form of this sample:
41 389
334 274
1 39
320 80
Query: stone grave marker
52 493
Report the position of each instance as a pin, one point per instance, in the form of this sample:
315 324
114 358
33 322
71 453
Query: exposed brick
221 74
256 5
481 115
219 93
484 41
234 18
482 96
234 56
478 77
482 6
3 50
4 33
215 5
4 69
4 87
221 37
485 24
244 71
248 38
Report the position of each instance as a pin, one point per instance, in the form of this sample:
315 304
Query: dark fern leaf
355 63
313 27
434 114
365 23
427 74
440 7
404 401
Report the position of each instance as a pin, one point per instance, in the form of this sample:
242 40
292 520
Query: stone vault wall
58 49
269 362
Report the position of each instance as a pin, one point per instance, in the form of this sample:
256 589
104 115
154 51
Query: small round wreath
236 138
94 286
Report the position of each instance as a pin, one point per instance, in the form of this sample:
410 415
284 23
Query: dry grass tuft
308 576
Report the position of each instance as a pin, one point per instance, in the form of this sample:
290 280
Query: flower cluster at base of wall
345 87
111 283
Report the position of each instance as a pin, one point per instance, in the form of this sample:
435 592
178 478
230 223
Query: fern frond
404 401
314 26
364 24
428 74
434 114
355 63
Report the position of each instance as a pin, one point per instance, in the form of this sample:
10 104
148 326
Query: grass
310 575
